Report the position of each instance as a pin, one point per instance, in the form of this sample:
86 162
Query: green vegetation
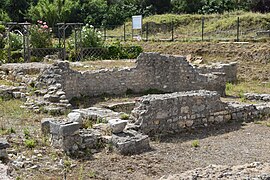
30 143
195 143
26 133
4 131
124 116
40 35
244 87
115 12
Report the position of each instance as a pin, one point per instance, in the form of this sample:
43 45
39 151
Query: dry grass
247 87
6 82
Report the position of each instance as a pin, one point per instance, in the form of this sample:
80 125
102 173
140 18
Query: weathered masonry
152 71
177 112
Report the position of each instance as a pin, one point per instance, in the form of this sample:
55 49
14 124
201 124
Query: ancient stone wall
230 70
176 112
153 71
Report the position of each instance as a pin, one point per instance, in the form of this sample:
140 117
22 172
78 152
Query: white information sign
137 22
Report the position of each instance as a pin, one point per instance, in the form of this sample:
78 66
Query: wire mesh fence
19 45
37 54
92 53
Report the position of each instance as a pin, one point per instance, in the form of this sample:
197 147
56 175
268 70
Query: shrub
89 38
118 51
3 56
16 41
40 35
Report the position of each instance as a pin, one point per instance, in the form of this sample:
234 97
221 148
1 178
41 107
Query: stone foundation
177 112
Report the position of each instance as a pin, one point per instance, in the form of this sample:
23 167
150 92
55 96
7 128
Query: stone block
117 125
54 127
45 125
130 142
4 144
75 117
69 129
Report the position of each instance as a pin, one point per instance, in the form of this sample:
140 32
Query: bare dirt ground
231 144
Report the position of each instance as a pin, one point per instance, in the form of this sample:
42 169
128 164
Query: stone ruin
177 112
190 99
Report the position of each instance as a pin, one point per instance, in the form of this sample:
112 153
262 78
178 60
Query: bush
40 35
119 51
16 41
3 56
89 38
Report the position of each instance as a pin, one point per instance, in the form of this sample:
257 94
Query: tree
53 11
262 6
161 6
15 9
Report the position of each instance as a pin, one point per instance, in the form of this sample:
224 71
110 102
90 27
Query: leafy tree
4 16
260 6
16 9
94 11
53 11
161 6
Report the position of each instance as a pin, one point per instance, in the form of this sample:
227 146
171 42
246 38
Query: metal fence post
172 31
147 28
124 31
105 33
202 28
9 44
238 29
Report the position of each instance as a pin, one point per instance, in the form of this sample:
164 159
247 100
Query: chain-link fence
204 29
18 44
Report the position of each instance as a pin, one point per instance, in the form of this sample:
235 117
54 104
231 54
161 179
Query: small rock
117 125
75 117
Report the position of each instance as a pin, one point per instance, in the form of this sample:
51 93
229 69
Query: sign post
136 23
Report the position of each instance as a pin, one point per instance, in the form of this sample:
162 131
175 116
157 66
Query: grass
124 116
188 26
6 82
4 131
30 143
247 87
12 110
195 143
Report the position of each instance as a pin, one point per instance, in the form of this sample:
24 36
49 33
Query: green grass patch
30 143
11 110
188 26
247 87
124 116
6 82
195 143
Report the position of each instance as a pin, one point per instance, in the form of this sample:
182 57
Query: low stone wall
10 92
230 70
153 71
176 112
257 97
